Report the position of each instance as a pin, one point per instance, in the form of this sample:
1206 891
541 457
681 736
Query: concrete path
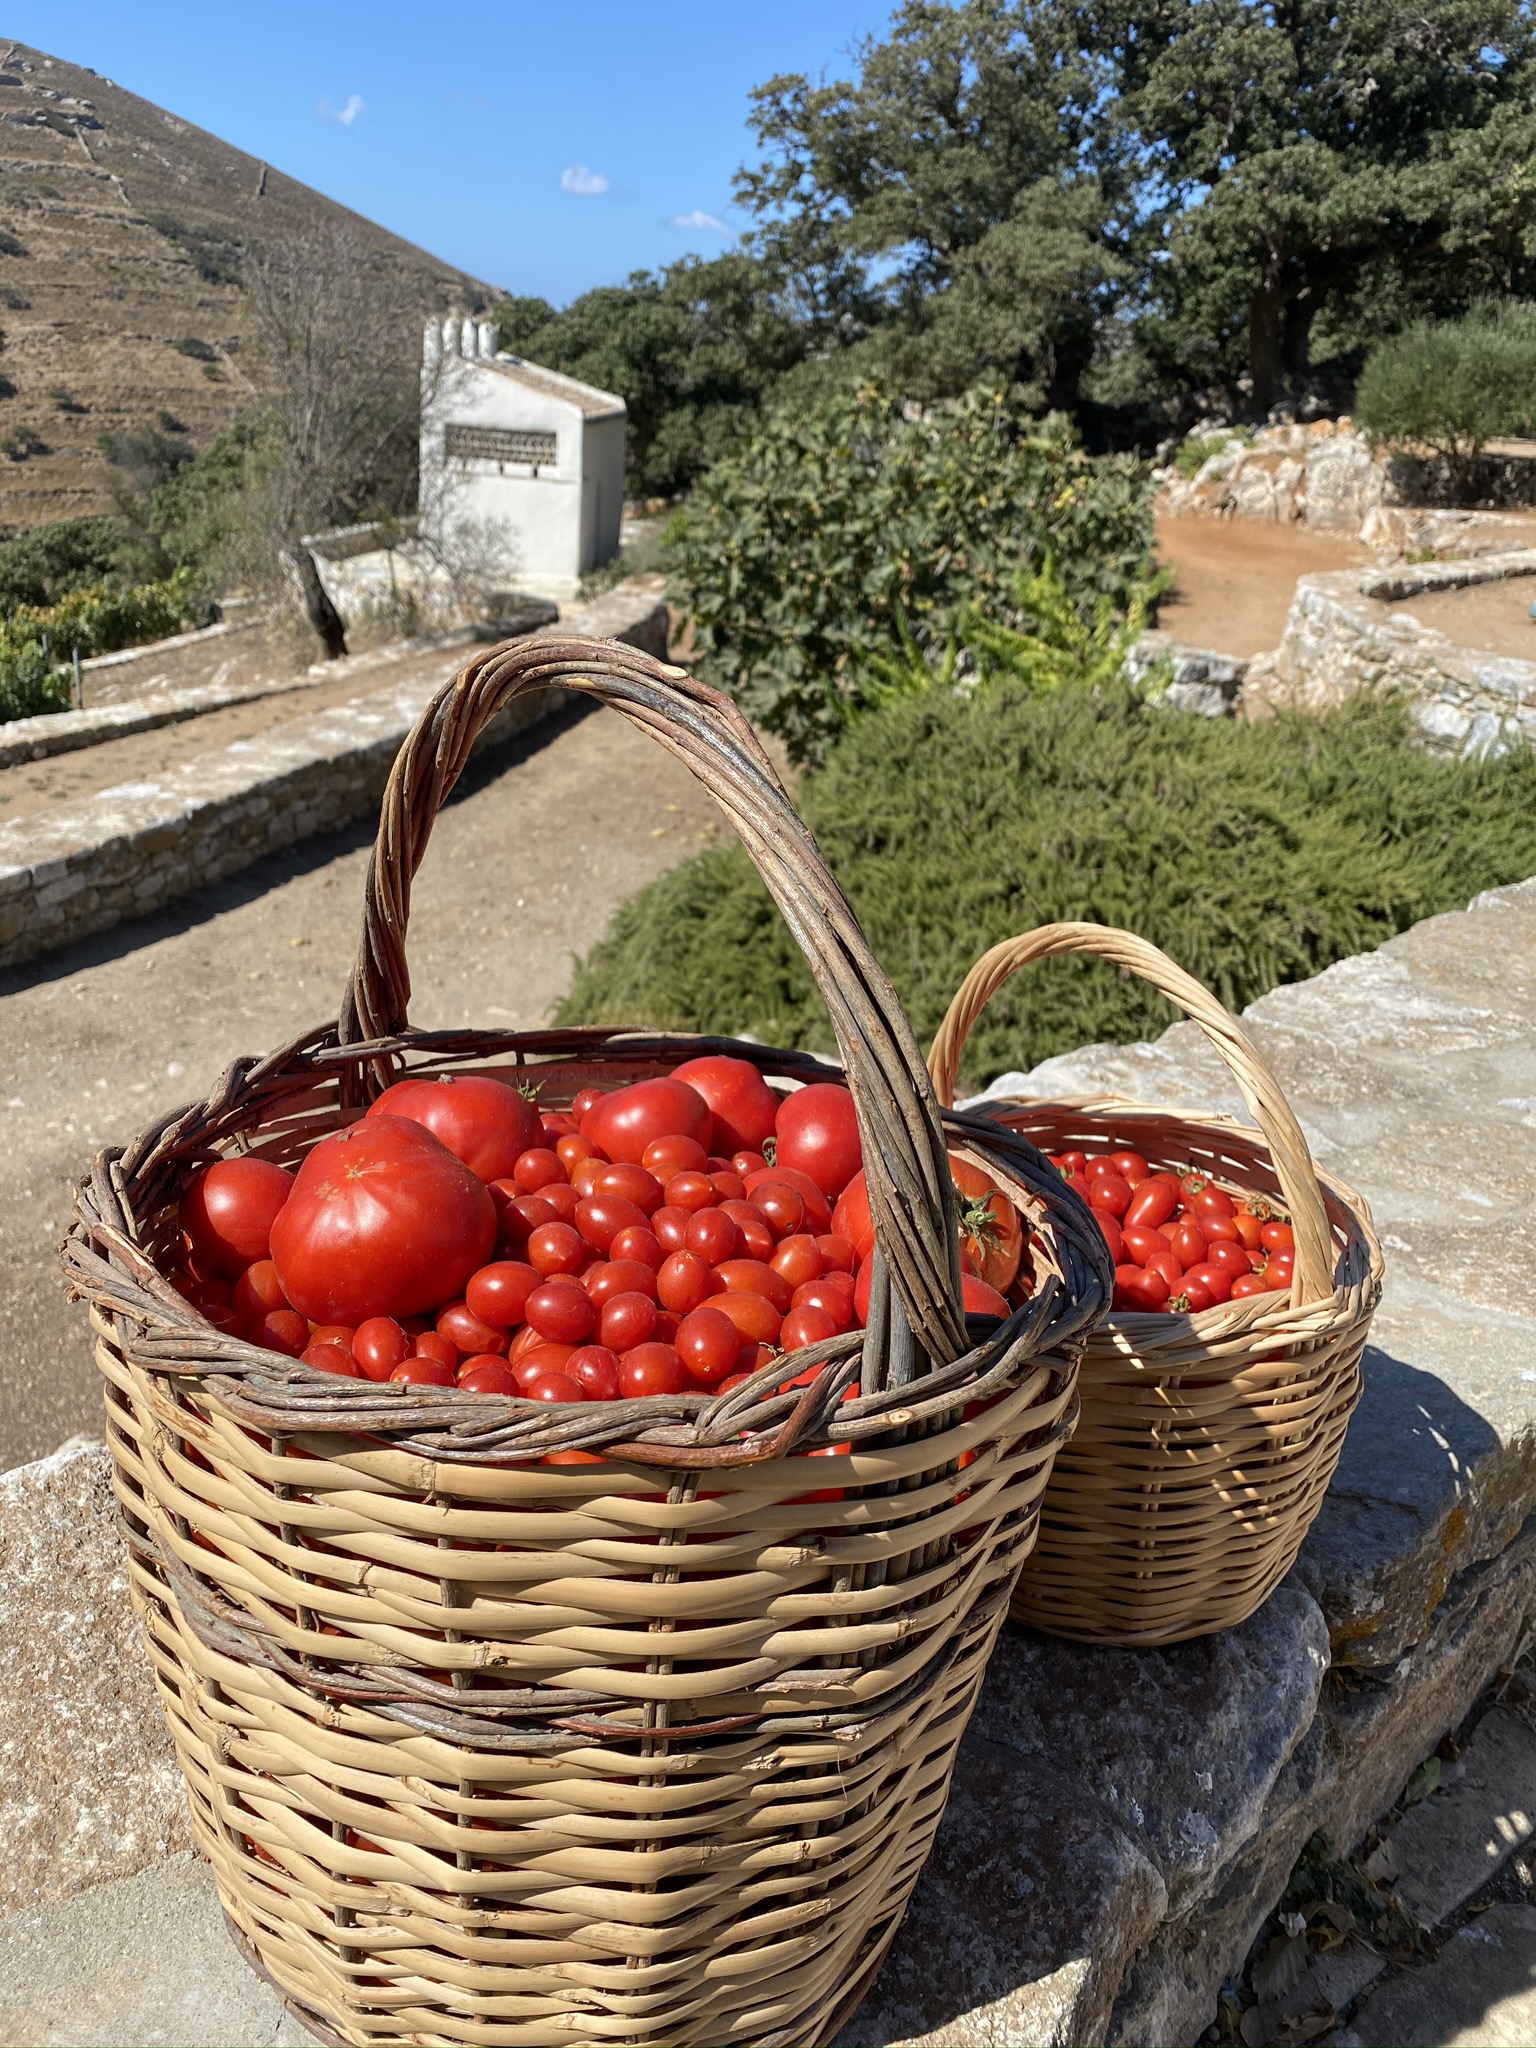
527 864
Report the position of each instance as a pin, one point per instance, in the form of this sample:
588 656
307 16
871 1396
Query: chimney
450 336
487 339
432 343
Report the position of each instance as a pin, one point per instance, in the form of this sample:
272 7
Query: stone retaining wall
126 851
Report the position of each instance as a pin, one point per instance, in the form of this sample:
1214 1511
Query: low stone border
67 873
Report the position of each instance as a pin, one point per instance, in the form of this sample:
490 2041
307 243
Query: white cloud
343 116
584 183
697 222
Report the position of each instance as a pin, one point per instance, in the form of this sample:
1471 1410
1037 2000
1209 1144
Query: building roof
586 398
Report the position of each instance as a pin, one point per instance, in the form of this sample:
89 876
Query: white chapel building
528 463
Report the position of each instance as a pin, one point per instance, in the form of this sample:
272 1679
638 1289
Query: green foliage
1453 386
214 252
199 351
844 534
1255 854
690 351
10 246
36 643
39 567
1196 450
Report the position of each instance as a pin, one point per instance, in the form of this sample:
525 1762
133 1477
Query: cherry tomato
585 1099
562 1198
742 1105
1218 1229
665 1157
573 1150
685 1282
1073 1164
689 1192
757 1239
553 1386
1211 1201
331 1333
228 1212
625 1123
629 1183
1135 1289
565 1315
863 1282
483 1122
1278 1237
1277 1277
537 1168
430 1345
1165 1263
595 1369
712 1236
379 1345
280 1329
978 1299
832 1301
331 1358
1112 1194
751 1276
782 1205
1111 1234
627 1320
554 1123
837 1254
1139 1245
708 1344
519 1216
417 1371
807 1325
1191 1296
538 1361
728 1186
556 1248
601 1217
1250 1230
818 1211
669 1227
797 1260
1130 1166
1153 1200
1247 1284
651 1369
256 1291
487 1374
636 1247
466 1332
667 1320
816 1132
1216 1281
1230 1257
1188 1242
756 1319
619 1276
748 1162
382 1220
498 1294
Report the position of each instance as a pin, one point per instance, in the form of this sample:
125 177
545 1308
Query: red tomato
554 1123
430 1345
553 1386
797 1260
978 1299
1165 1263
990 1229
257 1290
837 1254
816 1132
331 1333
1139 1245
625 1123
1250 1230
1153 1200
664 1157
556 1248
279 1330
1216 1280
228 1212
728 1186
573 1150
330 1358
517 1217
757 1238
629 1182
748 1162
563 1314
483 1122
627 1320
667 1320
1247 1284
1218 1229
637 1248
601 1217
498 1294
423 1372
1211 1201
1230 1257
487 1374
651 1369
1112 1234
619 1276
1191 1296
751 1276
669 1227
712 1236
561 1197
537 1168
383 1220
684 1282
690 1192
595 1369
756 1319
379 1345
1277 1277
818 1212
830 1300
782 1205
1188 1242
742 1105
1277 1237
538 1361
466 1333
808 1325
1135 1289
708 1344
861 1291
585 1099
1073 1164
1107 1191
1130 1166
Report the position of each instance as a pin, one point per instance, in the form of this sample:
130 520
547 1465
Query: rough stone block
1451 1844
1479 1992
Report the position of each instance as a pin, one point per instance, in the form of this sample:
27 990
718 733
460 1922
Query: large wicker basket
649 1750
1207 1441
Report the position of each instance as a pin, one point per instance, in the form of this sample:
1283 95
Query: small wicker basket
648 1750
1207 1441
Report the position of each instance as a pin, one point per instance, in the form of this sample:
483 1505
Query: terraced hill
121 235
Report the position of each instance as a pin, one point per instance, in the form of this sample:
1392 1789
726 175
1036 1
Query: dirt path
1234 578
525 868
1490 618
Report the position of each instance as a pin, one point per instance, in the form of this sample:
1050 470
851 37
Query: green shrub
1195 450
37 643
39 566
841 534
1253 854
1453 386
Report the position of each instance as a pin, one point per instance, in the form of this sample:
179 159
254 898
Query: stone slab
1413 1072
143 1962
1451 1843
1479 1992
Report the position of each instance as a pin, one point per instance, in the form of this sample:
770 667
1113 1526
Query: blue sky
544 148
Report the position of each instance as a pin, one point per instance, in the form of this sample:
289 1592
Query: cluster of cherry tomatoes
640 1243
1179 1242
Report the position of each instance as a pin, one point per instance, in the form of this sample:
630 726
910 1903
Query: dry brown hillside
120 235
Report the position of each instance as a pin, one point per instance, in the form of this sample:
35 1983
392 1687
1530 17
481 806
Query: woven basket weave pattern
485 1750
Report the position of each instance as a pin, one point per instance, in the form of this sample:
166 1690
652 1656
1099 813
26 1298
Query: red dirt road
1234 578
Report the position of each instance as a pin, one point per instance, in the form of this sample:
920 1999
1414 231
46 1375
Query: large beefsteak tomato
741 1103
481 1121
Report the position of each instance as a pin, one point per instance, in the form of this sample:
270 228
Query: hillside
121 230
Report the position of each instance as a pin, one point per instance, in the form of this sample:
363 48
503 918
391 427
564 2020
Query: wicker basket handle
1260 1090
910 1194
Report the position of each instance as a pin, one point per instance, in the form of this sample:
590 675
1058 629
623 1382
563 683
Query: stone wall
126 851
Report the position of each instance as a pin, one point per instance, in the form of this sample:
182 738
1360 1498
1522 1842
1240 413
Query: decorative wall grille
501 444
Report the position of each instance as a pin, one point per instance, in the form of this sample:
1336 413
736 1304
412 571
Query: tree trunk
1296 342
1264 310
304 581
